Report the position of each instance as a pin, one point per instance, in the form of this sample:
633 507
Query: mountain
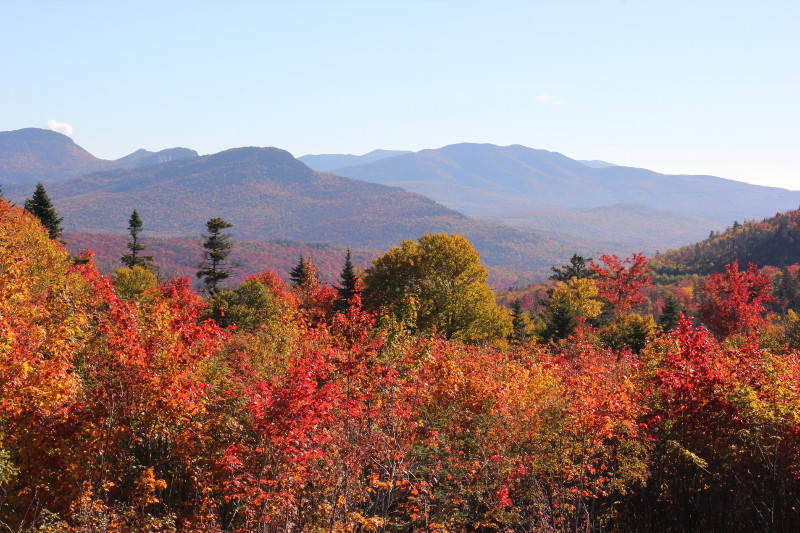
481 179
329 162
143 158
267 194
635 227
31 154
596 163
774 241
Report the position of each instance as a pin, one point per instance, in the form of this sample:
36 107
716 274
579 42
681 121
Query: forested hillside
404 400
773 241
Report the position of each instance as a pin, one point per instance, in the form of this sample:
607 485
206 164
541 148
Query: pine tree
40 206
304 274
133 259
217 245
348 285
670 313
518 323
578 267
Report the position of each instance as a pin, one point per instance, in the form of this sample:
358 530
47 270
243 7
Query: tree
519 323
217 245
670 313
436 284
570 302
348 285
132 259
578 267
304 274
40 206
620 282
733 302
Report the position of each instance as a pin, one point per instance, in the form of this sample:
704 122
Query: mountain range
32 154
538 207
484 179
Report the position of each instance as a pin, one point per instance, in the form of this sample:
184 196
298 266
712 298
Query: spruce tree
217 245
133 259
348 285
670 313
40 206
303 274
518 323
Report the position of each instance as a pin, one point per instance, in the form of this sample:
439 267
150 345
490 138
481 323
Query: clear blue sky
674 86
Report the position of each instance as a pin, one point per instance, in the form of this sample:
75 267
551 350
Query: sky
685 87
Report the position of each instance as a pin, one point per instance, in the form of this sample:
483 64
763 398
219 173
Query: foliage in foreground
132 411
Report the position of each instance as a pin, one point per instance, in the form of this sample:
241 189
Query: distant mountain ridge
33 154
482 179
330 162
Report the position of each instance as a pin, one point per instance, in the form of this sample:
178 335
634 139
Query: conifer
217 245
40 206
133 259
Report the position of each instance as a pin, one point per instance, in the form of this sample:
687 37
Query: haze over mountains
556 205
481 179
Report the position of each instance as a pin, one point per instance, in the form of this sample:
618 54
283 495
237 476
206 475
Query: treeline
402 398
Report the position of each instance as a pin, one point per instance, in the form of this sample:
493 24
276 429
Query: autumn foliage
265 409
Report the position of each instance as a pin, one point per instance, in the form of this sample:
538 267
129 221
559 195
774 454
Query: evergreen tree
519 324
304 274
217 245
133 259
348 285
40 206
578 267
670 313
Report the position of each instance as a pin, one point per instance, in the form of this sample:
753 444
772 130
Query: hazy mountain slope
636 227
329 162
481 179
143 158
30 155
267 194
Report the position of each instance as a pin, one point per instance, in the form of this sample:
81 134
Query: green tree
569 303
520 323
246 307
40 206
133 259
348 285
217 247
578 267
670 313
304 274
132 282
436 284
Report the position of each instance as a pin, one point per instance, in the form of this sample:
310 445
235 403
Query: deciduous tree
436 284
